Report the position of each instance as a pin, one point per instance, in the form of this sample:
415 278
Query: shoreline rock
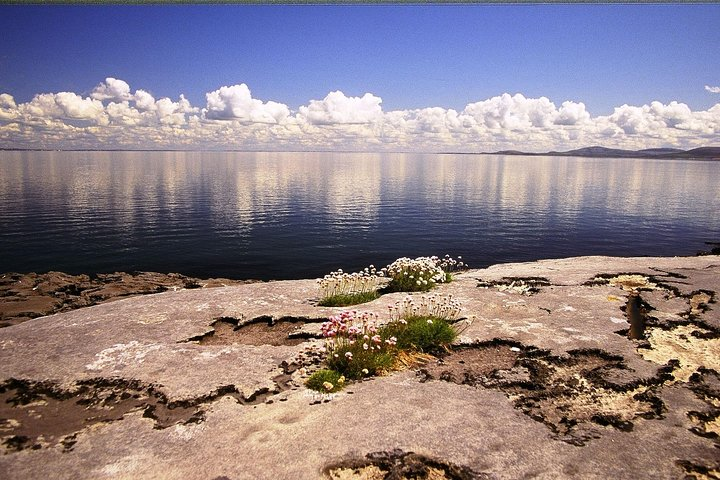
24 296
546 382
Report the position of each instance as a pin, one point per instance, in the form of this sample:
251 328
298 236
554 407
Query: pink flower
376 339
348 355
365 346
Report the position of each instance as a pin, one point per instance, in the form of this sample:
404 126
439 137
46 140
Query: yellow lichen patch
705 422
631 282
436 474
712 474
698 302
713 426
589 402
679 344
581 401
371 472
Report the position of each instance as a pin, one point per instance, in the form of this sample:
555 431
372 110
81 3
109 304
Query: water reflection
272 215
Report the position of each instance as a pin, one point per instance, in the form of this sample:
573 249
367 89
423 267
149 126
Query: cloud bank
115 117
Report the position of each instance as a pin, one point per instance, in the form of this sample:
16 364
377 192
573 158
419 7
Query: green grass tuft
364 363
347 299
407 285
421 333
318 380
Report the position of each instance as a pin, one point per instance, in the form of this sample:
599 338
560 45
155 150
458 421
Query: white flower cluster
340 283
445 307
449 264
422 271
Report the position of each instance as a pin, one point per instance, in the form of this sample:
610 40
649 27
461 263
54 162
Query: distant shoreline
700 153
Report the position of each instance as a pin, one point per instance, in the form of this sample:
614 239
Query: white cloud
572 113
513 112
143 100
712 89
673 114
111 89
147 111
7 101
123 114
62 106
42 105
653 119
173 113
236 103
634 120
113 117
8 107
76 107
336 108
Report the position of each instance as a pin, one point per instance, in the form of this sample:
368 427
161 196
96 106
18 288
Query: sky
465 78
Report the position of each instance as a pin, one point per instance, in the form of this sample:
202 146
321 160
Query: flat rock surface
590 367
30 295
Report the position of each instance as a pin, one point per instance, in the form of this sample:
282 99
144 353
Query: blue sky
412 57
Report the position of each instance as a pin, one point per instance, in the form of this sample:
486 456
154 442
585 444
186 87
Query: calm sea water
301 215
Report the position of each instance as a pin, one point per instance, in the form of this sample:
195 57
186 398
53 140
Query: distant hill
704 153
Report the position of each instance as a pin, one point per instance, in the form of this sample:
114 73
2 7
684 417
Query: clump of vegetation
326 381
450 265
422 273
433 305
423 334
425 325
356 347
348 299
339 289
414 275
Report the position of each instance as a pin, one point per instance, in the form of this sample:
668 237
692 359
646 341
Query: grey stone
598 407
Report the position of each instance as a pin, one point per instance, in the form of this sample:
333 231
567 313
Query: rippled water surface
300 215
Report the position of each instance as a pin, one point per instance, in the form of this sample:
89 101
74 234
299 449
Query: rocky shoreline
588 368
24 296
